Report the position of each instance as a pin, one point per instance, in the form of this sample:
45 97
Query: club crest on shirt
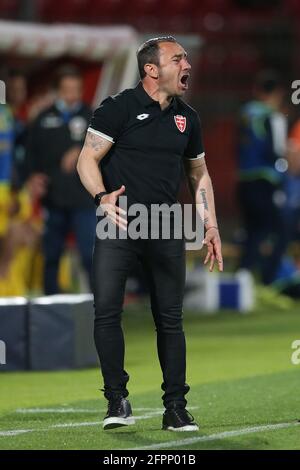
180 122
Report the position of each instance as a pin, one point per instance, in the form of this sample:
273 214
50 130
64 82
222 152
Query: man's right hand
111 210
37 185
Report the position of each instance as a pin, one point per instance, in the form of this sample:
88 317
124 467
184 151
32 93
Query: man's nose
187 65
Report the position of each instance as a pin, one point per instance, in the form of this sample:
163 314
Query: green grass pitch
244 390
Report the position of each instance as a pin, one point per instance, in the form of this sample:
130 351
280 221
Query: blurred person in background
293 187
261 173
16 86
19 233
55 140
6 164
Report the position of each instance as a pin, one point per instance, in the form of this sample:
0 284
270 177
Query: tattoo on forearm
94 141
204 199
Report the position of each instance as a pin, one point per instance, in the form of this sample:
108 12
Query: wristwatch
98 197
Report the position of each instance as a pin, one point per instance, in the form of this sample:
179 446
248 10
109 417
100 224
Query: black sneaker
119 413
178 419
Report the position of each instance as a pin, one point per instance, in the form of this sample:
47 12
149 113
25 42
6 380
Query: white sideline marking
160 445
56 410
218 436
84 410
14 432
94 423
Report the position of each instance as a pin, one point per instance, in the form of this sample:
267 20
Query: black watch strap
98 197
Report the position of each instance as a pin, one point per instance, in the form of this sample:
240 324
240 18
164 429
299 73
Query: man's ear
151 70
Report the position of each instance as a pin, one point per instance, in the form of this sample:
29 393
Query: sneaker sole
114 422
188 428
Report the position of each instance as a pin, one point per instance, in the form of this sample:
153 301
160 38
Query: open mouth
184 80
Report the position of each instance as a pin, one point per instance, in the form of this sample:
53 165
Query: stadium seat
143 14
69 11
104 12
8 9
293 7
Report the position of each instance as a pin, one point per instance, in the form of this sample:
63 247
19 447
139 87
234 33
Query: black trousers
263 220
164 265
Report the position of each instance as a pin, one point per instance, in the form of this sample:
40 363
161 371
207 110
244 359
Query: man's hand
69 160
214 251
111 210
37 185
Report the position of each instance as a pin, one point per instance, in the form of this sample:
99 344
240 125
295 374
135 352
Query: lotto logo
141 117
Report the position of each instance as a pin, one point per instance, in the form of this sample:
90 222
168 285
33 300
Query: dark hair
66 71
148 52
268 81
